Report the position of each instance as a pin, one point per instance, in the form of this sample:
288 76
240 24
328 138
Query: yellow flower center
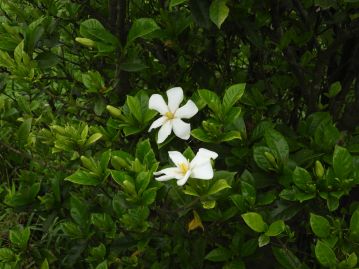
184 168
169 115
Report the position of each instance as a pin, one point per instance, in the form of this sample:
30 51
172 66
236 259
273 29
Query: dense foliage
277 88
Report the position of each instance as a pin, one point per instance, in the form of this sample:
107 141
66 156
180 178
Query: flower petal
203 171
169 173
157 103
175 97
203 156
164 132
187 111
157 123
177 158
184 179
181 129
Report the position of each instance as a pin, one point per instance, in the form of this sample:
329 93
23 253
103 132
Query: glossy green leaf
83 178
218 186
232 95
255 222
324 254
276 228
263 240
141 28
320 225
342 162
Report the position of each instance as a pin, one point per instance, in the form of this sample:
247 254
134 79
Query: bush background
278 90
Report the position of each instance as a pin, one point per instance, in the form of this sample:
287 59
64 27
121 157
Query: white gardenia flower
200 167
172 114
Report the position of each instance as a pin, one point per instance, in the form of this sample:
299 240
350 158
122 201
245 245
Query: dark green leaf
342 162
141 28
325 254
220 254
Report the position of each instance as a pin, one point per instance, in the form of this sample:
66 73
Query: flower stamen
184 168
169 115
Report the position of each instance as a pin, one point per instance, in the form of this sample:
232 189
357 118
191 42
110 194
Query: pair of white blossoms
171 119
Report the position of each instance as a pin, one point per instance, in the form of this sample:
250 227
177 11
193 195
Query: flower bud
271 159
86 42
319 169
114 111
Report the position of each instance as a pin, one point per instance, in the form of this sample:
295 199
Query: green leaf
260 158
220 254
141 28
255 222
334 89
263 240
218 186
135 107
102 265
248 192
325 254
320 225
232 95
149 196
287 259
45 264
276 228
24 131
303 180
211 99
190 191
94 30
201 135
174 3
133 66
83 178
93 138
7 255
354 226
278 144
231 135
342 162
218 12
20 237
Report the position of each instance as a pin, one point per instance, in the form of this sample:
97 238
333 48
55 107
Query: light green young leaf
218 186
255 222
218 12
83 178
276 228
334 89
263 240
211 99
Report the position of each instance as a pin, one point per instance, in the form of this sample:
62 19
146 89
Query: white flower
200 167
172 114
